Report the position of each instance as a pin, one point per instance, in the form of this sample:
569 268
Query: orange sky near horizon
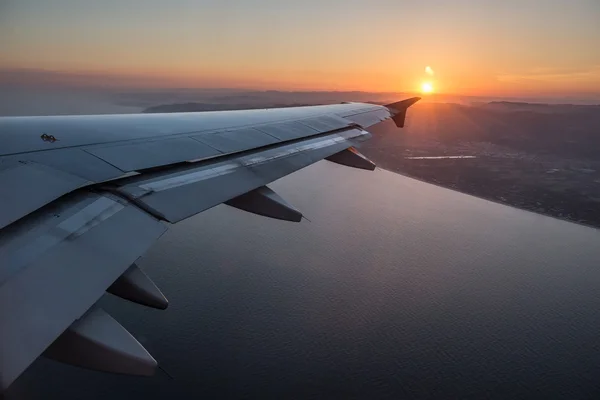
527 47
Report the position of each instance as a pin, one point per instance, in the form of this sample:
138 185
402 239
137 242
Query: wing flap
176 195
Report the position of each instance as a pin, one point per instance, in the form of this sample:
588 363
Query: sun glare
427 87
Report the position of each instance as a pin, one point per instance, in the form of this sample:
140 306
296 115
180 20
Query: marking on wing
48 138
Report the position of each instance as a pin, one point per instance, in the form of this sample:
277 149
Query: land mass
542 158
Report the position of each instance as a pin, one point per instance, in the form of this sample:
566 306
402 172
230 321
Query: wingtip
398 110
403 105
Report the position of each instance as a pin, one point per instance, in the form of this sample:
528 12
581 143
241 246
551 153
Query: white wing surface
83 197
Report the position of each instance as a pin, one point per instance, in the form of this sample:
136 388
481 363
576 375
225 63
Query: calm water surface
395 289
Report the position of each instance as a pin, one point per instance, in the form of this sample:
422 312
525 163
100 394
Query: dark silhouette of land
196 107
539 157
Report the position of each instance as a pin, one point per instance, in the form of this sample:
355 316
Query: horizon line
144 81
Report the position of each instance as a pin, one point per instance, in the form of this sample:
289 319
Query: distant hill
538 157
195 107
538 107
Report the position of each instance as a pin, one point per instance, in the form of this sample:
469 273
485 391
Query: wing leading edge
83 208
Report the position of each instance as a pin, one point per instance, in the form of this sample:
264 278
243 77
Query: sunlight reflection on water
437 157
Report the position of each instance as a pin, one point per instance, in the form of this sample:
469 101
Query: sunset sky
473 47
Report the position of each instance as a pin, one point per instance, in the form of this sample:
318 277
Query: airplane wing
83 197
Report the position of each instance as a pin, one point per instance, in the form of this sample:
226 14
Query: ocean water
394 289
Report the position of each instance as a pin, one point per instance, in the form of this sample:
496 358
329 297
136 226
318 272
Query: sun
427 87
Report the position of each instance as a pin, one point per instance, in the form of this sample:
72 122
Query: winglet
399 108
